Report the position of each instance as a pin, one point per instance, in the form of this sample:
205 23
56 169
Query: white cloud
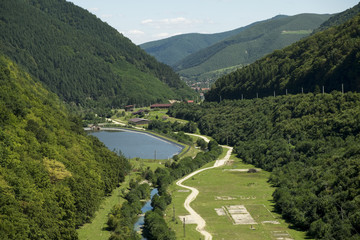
169 22
106 16
95 9
136 32
147 21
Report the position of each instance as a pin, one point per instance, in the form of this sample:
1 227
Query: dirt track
195 217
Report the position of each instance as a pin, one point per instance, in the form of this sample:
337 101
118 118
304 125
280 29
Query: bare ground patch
281 235
220 211
239 214
188 219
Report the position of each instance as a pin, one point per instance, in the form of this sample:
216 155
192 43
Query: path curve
194 192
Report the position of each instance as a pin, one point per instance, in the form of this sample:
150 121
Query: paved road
194 192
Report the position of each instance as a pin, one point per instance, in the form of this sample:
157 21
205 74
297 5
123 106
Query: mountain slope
82 59
329 58
250 44
52 175
172 50
339 18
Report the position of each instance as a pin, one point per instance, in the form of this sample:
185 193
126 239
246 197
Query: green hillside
249 45
52 175
172 50
339 18
82 59
329 58
310 143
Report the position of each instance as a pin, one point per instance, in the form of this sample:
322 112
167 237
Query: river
138 144
147 207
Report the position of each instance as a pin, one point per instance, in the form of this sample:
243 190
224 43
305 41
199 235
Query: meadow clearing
234 203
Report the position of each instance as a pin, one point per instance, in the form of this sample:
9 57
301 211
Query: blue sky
145 20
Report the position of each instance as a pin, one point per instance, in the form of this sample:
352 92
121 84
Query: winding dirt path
194 192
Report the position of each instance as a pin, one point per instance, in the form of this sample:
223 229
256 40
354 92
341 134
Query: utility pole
173 212
242 96
323 89
184 229
302 90
286 92
257 95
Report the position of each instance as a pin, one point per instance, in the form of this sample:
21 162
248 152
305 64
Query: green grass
96 230
301 32
251 190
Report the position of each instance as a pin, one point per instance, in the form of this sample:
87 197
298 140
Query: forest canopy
52 175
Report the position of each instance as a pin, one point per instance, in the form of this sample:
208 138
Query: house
139 121
190 101
140 111
94 127
163 106
129 108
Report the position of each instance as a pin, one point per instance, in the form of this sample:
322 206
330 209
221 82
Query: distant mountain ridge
81 58
249 45
173 49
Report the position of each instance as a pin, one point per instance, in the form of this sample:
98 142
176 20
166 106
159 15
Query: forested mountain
339 18
52 175
249 45
172 50
329 58
310 142
81 58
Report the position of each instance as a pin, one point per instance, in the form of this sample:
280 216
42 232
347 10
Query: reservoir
138 144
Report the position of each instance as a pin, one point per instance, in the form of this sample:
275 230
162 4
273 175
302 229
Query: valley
263 145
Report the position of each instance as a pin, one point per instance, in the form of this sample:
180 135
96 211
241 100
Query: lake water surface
138 144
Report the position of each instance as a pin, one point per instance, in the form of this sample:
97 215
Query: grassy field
220 188
96 230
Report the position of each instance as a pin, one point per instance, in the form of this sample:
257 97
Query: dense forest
329 58
81 58
310 142
339 18
52 175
